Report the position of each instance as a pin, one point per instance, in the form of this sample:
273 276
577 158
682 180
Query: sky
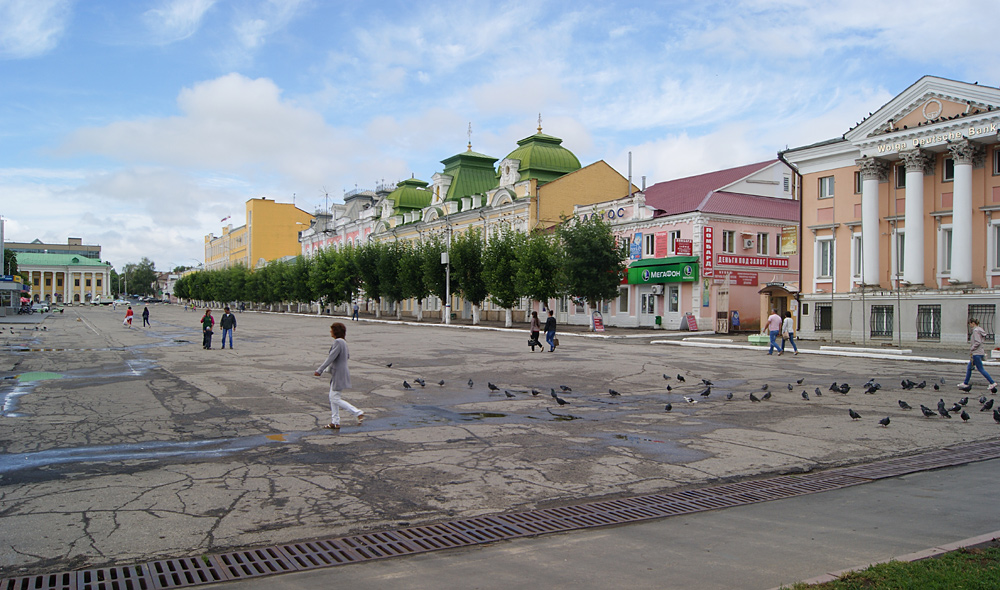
141 125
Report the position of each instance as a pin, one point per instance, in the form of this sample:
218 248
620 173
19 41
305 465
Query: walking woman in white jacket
340 376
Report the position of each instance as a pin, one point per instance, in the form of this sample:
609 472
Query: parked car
40 306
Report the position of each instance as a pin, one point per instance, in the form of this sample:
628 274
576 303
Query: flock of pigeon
870 387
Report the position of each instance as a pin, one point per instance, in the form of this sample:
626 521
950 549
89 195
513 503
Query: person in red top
773 327
128 318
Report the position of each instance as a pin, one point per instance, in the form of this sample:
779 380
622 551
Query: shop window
881 321
623 300
648 304
826 187
928 322
673 299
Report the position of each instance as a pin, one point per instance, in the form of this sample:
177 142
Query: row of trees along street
581 258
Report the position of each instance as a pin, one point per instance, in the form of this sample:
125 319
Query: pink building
706 251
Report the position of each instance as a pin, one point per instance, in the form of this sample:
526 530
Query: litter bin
658 320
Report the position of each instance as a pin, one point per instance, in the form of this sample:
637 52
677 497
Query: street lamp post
446 260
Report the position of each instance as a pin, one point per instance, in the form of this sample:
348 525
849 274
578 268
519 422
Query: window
986 315
857 183
35 281
824 258
649 245
856 256
824 317
787 184
648 304
762 243
88 282
48 282
729 241
946 250
826 187
76 282
900 173
674 235
996 161
673 298
900 252
59 282
995 233
564 304
578 307
928 322
881 321
623 300
98 282
949 169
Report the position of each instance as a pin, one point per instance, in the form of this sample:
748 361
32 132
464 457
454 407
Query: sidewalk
757 546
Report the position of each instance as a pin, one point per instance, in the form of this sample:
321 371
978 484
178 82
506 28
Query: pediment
928 101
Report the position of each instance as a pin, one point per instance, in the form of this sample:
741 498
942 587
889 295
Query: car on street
40 306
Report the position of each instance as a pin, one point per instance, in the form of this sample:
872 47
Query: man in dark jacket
550 331
228 324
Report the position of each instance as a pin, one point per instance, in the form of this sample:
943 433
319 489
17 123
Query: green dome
543 157
410 194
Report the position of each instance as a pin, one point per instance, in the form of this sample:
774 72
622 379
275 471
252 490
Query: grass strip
965 569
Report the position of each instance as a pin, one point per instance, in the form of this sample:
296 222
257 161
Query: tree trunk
475 315
508 318
420 311
378 308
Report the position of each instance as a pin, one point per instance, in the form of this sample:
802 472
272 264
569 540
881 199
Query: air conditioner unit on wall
747 243
657 289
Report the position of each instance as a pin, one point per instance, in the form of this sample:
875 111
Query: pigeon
535 391
389 365
729 395
965 416
854 415
942 380
941 404
613 393
407 385
753 397
818 392
680 377
789 387
508 394
690 400
805 395
420 382
492 387
937 387
668 407
944 412
561 401
987 406
441 383
905 405
844 388
707 382
470 383
955 408
965 388
566 389
982 399
666 377
669 388
706 392
799 381
766 396
927 411
964 401
834 386
996 416
764 387
921 385
884 421
553 394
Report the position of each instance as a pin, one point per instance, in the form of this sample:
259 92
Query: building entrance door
672 308
647 306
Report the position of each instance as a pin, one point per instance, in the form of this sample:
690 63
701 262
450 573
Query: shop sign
762 261
737 278
683 247
635 248
790 240
677 272
662 244
708 255
10 278
618 213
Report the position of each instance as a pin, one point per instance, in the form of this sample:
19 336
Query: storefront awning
672 269
777 288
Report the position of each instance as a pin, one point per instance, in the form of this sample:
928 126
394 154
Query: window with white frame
900 258
729 241
623 300
673 236
948 170
944 250
995 235
856 256
787 183
649 245
762 243
826 187
900 173
996 161
824 258
857 183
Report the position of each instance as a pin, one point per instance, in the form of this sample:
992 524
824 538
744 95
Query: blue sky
139 125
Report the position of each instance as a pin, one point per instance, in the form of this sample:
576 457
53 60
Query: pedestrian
535 328
354 315
128 317
207 322
550 331
788 333
145 316
773 327
340 376
228 324
243 307
976 353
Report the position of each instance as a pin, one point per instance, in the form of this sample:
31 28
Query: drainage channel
307 555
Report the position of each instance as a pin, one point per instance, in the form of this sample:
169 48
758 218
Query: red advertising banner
737 278
662 244
708 254
683 247
763 261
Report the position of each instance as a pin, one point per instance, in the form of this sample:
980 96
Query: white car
40 307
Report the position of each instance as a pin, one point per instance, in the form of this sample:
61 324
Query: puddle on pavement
38 376
481 415
138 451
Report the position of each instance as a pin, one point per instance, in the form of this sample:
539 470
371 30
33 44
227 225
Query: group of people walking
785 327
550 332
227 322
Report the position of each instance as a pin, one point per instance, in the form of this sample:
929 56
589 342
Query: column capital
873 169
917 161
966 152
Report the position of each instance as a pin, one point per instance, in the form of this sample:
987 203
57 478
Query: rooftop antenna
539 122
470 136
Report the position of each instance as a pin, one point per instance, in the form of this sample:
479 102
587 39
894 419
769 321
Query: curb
916 556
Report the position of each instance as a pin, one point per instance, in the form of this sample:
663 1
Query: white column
963 153
913 250
872 172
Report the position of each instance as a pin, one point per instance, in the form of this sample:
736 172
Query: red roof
700 193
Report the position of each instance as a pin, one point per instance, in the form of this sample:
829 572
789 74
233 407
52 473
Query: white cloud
175 20
30 28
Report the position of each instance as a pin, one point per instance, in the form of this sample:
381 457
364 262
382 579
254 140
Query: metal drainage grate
236 565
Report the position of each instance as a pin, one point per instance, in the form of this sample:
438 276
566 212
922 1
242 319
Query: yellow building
65 278
271 232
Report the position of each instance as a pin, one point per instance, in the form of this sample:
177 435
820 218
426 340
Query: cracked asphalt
131 445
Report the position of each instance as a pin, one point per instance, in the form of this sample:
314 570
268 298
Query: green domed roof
543 157
410 194
472 173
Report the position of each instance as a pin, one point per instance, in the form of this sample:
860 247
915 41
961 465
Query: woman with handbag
535 328
788 333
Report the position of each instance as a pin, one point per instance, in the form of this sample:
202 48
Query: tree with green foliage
538 269
500 262
388 271
334 277
467 265
593 263
299 288
368 256
435 273
141 277
411 275
9 262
